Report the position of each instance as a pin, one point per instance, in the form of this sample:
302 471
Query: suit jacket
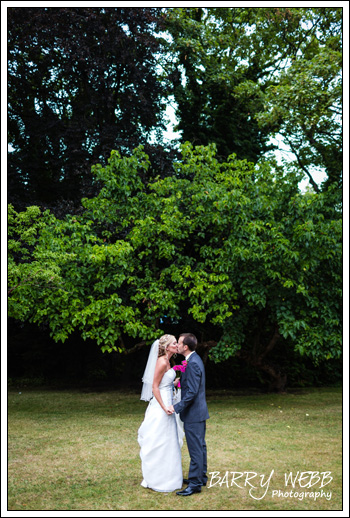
193 406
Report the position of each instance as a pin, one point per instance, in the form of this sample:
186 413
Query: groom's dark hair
190 340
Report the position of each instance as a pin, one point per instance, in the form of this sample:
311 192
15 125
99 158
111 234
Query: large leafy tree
81 81
229 250
241 75
305 107
214 71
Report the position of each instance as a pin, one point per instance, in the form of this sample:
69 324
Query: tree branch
133 349
271 345
306 171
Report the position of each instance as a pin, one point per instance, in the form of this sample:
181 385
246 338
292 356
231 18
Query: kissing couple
160 435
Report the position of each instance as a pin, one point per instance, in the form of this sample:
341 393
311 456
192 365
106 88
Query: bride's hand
176 382
170 410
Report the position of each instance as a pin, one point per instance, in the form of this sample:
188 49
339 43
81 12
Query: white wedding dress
160 437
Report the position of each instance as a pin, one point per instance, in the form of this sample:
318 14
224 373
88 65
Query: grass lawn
76 450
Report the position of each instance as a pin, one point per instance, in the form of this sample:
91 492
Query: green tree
305 107
241 75
215 84
229 250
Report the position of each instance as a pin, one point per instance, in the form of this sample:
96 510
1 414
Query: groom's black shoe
189 491
187 481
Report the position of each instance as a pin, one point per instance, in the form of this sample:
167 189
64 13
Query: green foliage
31 269
305 108
241 75
215 74
232 249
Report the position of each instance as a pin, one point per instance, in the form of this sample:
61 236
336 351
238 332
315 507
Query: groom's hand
170 409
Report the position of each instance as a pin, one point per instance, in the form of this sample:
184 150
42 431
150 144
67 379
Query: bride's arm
159 372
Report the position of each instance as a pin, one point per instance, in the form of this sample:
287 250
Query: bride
160 435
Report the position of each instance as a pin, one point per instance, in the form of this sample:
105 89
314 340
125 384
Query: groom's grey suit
193 412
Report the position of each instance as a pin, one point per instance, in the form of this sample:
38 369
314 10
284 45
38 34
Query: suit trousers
197 448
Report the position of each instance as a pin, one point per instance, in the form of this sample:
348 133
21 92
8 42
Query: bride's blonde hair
164 341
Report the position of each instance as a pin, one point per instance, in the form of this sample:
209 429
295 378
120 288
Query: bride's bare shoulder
161 365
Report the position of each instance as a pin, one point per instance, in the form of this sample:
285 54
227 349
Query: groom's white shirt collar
187 357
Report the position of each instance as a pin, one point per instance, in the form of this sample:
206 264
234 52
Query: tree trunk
277 380
203 349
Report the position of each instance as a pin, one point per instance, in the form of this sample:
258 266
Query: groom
193 412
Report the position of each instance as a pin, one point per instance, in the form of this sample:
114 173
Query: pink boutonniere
180 368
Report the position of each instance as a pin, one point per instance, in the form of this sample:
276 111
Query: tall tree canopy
81 82
241 75
225 249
